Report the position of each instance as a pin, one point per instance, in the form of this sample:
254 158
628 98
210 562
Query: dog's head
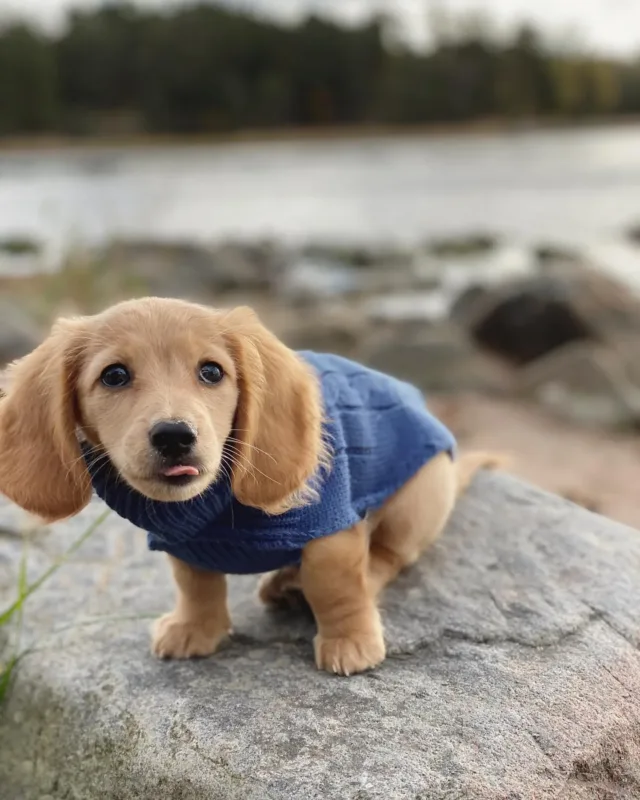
175 395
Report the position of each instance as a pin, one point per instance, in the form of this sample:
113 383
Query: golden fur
268 406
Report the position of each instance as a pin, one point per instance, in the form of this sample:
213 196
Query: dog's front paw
350 655
173 637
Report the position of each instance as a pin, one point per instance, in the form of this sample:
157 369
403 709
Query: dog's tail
468 464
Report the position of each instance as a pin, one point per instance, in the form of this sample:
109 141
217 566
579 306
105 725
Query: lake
574 186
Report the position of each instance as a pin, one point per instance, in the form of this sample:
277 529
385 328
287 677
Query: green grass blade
22 572
29 590
6 673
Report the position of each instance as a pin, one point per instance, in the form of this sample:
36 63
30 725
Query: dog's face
175 394
158 392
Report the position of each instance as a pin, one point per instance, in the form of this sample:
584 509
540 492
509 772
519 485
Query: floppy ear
278 444
41 468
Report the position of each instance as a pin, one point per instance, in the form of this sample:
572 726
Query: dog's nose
172 438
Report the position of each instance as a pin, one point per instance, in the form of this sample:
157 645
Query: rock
626 350
633 233
21 256
436 359
248 266
530 323
514 672
612 307
469 245
177 269
20 245
524 320
408 307
554 254
335 331
327 271
310 280
358 256
18 333
314 279
584 382
457 274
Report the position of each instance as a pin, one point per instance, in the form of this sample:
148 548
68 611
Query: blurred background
448 191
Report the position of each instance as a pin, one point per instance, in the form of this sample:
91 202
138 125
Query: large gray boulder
525 319
513 674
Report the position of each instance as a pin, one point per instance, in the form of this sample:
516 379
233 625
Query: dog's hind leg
411 520
281 588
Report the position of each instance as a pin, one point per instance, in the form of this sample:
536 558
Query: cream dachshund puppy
237 455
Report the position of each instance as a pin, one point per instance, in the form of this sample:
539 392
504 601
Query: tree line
206 68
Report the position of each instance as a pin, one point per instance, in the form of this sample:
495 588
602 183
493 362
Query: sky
605 25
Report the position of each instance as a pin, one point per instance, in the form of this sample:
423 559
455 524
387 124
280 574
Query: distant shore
329 133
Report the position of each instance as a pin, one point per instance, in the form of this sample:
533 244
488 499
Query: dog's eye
211 373
115 376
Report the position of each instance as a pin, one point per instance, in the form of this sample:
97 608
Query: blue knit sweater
380 433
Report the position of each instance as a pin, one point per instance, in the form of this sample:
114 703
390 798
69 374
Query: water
577 187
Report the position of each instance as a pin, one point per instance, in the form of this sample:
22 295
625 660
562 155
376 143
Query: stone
436 358
19 334
19 245
627 351
513 672
455 276
358 256
323 271
554 254
633 233
309 280
195 271
407 307
163 269
255 266
335 331
463 245
585 382
526 319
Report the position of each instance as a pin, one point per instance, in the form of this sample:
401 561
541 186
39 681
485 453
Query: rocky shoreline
540 334
459 314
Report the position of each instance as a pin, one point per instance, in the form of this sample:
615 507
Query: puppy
237 455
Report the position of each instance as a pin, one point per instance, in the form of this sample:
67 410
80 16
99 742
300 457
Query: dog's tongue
173 472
